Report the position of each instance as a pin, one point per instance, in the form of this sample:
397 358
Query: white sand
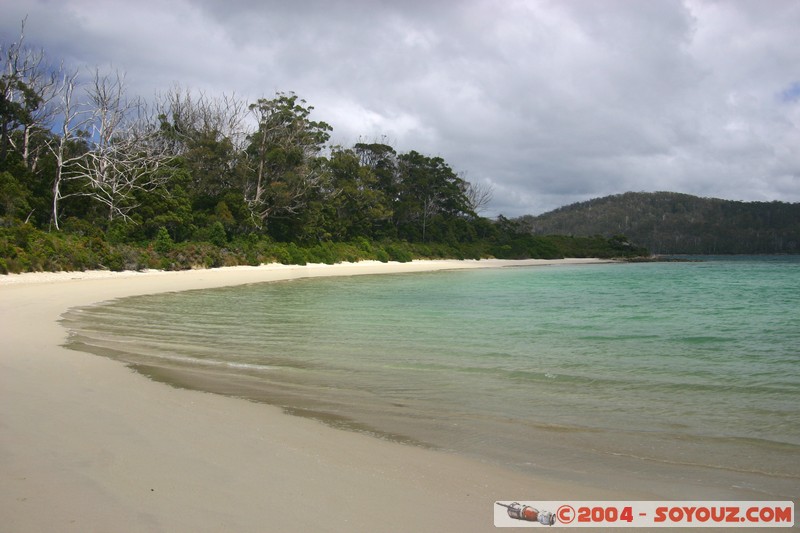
86 444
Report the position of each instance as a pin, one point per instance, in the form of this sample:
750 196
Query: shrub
399 253
297 256
381 255
217 235
163 242
321 253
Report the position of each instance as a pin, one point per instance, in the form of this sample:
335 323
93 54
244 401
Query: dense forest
672 223
91 178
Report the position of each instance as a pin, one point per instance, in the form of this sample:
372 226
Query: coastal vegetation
673 223
92 178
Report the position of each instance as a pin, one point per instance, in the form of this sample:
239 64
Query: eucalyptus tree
36 105
360 206
285 166
381 159
428 189
23 91
125 149
73 121
209 134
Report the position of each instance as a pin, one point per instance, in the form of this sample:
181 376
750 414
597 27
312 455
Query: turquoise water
681 373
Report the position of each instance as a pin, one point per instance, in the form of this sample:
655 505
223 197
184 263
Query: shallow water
681 376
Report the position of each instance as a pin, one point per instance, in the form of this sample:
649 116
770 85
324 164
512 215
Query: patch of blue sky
791 93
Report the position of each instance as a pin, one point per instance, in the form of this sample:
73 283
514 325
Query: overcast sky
550 102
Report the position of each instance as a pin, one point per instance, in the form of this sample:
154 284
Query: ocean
679 378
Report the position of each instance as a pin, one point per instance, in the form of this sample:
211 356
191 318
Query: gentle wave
700 355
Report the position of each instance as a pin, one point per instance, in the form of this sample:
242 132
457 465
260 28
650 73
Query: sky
547 102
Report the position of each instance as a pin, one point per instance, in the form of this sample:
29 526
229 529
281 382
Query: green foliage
14 198
217 197
429 195
672 223
285 167
286 253
23 248
26 249
216 234
186 256
18 101
399 253
163 243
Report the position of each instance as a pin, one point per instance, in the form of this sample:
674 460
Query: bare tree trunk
429 208
28 87
126 150
71 123
282 187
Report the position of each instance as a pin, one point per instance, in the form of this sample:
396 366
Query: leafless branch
479 195
125 153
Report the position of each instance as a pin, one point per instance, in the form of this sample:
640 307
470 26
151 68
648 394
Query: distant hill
674 223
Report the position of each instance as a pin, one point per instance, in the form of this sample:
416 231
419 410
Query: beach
87 444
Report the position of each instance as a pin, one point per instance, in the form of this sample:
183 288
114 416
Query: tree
284 157
479 195
14 197
28 88
360 204
428 188
381 159
125 153
73 120
19 98
209 134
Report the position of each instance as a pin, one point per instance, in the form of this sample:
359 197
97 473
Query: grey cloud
551 102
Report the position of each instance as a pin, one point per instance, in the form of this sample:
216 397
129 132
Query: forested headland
92 178
673 223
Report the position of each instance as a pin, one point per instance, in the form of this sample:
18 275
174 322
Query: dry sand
86 444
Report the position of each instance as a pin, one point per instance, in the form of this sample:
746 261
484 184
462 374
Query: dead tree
125 149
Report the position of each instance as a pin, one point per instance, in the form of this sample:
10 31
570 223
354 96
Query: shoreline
89 444
279 272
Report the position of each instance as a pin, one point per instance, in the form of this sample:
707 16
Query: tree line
674 223
81 158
